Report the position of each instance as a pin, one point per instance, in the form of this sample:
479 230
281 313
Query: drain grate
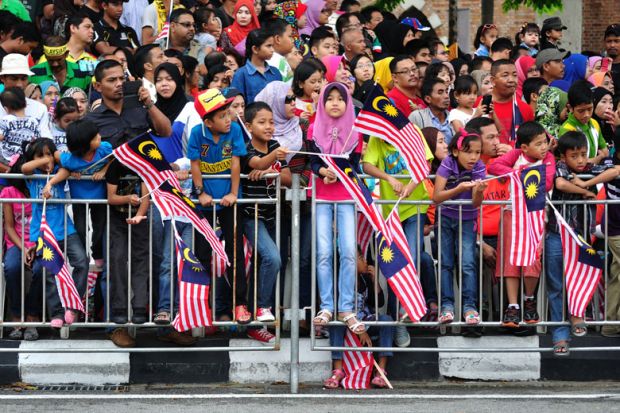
79 387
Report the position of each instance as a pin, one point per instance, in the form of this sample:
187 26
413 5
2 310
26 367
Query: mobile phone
486 101
605 64
130 94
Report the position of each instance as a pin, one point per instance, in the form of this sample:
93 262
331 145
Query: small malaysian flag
364 233
583 268
397 266
164 31
194 283
380 118
357 365
53 261
528 214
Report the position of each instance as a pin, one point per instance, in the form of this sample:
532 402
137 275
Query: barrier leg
295 287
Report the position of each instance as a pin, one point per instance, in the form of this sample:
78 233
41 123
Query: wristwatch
199 190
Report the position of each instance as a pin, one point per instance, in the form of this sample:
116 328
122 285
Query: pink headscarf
332 63
523 64
592 61
335 135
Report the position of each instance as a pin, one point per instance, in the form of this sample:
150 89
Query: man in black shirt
612 46
110 33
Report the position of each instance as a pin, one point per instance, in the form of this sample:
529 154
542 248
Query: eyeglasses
364 66
410 71
187 25
289 99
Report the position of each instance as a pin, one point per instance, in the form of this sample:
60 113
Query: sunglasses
488 27
289 99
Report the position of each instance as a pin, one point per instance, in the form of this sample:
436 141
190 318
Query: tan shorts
503 266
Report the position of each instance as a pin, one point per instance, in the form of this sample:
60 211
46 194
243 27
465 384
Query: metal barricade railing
88 322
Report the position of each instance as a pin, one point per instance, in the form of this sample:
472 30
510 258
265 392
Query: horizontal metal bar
136 349
144 325
463 350
426 324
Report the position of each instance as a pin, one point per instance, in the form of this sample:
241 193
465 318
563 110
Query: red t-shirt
503 112
403 102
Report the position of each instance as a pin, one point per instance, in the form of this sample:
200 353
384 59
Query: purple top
454 175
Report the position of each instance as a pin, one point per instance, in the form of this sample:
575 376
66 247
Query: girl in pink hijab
523 64
332 133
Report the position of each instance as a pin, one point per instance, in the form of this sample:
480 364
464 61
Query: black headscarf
172 106
391 34
610 133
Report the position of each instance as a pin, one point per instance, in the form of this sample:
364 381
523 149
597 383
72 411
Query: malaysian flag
380 118
583 268
358 191
364 233
194 282
357 365
528 214
53 261
396 265
219 265
164 31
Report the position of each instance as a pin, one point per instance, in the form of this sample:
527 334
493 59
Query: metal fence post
295 285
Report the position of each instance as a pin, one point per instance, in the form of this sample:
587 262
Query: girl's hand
281 153
47 191
305 115
205 199
76 175
136 220
396 185
479 111
407 190
480 186
134 200
29 255
365 339
98 176
466 186
229 200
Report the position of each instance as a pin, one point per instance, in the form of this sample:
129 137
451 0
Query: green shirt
387 158
17 8
592 130
75 76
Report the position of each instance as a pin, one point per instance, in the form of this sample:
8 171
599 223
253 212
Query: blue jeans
554 270
168 266
76 255
347 249
449 254
384 334
13 276
269 259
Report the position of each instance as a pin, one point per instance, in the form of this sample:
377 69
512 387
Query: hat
209 101
547 55
554 23
15 64
415 23
612 30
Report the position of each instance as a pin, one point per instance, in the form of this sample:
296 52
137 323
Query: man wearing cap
110 33
551 33
551 109
550 63
15 73
117 123
57 68
612 47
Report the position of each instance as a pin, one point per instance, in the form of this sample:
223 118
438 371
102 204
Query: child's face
441 147
237 108
467 100
530 38
262 126
95 142
489 37
537 148
68 119
467 157
576 159
326 47
335 104
265 51
220 123
243 16
313 84
583 112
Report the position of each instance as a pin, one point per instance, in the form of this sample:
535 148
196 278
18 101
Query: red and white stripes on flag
357 365
151 176
164 31
527 226
219 265
364 233
406 283
54 261
582 267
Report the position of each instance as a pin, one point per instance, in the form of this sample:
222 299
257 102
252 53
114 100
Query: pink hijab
334 135
332 63
523 64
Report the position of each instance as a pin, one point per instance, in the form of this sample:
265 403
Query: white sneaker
265 315
401 336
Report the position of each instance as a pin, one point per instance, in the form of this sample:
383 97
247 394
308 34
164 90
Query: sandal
378 381
334 381
355 325
446 317
579 329
242 315
162 318
561 349
57 323
322 318
472 318
70 317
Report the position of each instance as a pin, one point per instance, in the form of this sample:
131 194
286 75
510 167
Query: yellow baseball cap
210 100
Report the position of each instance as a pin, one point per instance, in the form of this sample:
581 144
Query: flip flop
574 329
561 349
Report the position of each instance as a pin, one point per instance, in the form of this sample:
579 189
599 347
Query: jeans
168 267
383 333
347 249
270 261
554 269
98 219
426 270
449 254
77 258
13 275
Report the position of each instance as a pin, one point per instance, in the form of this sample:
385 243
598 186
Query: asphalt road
407 397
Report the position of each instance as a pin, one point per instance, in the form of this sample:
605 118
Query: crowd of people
240 87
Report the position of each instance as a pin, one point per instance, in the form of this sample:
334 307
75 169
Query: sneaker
530 313
16 334
121 338
512 318
263 335
401 336
180 339
265 315
31 334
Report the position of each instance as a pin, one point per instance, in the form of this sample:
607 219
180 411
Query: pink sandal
334 381
70 316
378 381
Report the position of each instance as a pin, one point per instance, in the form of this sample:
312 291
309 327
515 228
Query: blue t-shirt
216 158
86 189
55 213
250 81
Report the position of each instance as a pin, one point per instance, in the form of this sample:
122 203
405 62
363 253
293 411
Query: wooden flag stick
149 193
380 371
331 155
